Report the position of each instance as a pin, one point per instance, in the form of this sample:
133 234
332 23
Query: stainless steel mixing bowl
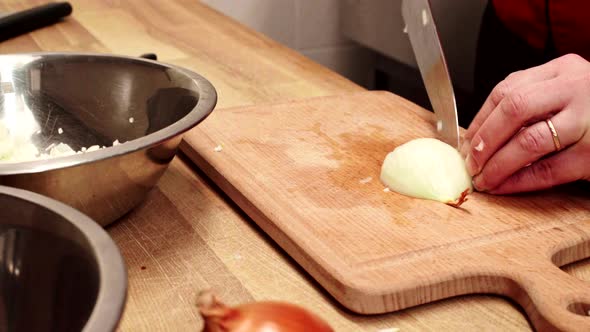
59 270
90 99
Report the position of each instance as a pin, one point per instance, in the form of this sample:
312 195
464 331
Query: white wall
310 26
323 30
378 24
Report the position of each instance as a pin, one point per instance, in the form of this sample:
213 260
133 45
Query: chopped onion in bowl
17 147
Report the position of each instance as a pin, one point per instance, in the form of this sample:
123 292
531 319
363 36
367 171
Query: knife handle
28 20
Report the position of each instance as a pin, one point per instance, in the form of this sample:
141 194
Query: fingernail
479 146
464 149
477 183
471 165
469 133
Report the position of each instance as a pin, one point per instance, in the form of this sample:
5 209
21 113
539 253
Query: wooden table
188 236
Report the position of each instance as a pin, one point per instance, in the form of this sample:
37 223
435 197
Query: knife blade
433 68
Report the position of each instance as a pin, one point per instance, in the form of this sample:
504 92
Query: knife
433 67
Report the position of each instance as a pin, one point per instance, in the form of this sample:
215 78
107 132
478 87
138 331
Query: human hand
509 146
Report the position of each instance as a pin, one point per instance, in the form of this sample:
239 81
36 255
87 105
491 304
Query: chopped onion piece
424 17
366 180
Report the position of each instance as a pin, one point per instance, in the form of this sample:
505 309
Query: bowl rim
205 105
112 291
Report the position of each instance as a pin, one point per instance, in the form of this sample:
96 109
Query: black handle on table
27 20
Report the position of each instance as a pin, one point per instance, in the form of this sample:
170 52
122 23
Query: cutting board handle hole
571 255
579 308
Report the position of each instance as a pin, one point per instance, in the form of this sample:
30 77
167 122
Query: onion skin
261 316
462 199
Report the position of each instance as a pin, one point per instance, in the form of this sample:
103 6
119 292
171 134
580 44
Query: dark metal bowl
91 99
59 270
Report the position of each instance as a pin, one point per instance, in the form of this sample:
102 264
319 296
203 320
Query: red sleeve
570 23
525 18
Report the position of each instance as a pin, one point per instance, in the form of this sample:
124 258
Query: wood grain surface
308 173
187 235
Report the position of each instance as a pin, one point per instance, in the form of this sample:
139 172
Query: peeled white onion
427 168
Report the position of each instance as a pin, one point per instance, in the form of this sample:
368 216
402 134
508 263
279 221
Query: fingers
512 82
519 107
564 167
507 141
528 146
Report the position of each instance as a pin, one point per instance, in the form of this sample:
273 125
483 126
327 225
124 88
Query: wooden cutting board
307 173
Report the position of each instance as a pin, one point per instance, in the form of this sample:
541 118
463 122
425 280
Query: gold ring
554 135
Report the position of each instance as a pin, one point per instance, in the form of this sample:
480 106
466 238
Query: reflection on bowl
89 99
59 270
